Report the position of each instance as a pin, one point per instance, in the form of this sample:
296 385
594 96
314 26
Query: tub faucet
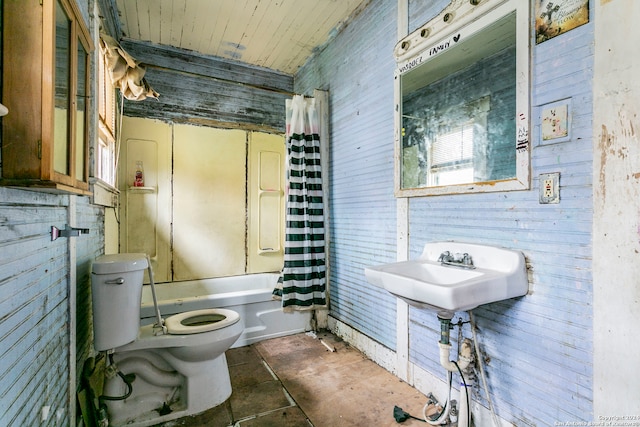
457 260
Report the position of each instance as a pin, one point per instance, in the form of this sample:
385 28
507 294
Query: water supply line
443 416
159 327
465 360
112 370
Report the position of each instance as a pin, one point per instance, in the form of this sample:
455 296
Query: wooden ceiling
276 34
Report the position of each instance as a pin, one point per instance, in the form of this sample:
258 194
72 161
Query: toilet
156 373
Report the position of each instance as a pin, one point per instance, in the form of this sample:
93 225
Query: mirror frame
464 20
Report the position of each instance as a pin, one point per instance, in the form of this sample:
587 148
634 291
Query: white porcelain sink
496 274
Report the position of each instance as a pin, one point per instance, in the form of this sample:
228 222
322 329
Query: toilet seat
197 321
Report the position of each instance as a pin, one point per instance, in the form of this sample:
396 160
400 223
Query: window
452 157
452 141
106 150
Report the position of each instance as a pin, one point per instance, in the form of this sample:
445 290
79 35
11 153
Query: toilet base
198 386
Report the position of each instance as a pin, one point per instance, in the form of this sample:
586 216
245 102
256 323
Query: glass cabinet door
61 140
45 80
81 114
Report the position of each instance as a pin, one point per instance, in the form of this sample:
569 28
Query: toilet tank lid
119 263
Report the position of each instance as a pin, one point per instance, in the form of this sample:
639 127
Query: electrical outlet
549 187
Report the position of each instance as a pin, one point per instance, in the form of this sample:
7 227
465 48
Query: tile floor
296 381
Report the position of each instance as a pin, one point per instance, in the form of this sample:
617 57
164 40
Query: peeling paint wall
209 91
41 282
357 70
538 348
35 288
616 208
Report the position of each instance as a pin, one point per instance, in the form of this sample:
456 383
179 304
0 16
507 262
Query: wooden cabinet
46 48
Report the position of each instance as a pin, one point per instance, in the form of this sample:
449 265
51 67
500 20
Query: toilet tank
116 292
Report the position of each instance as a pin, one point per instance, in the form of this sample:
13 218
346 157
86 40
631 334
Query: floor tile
251 372
287 417
341 388
258 399
242 356
296 381
220 416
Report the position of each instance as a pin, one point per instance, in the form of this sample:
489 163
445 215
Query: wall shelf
141 189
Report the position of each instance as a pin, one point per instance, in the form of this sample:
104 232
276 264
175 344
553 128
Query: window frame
79 35
106 150
464 21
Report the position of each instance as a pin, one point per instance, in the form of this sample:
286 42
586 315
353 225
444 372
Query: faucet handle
466 259
444 256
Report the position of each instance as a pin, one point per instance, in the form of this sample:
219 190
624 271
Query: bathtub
249 295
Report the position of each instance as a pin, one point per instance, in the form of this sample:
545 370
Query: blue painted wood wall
35 334
34 303
357 70
35 272
538 348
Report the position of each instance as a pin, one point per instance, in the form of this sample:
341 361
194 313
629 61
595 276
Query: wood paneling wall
210 91
538 348
357 70
88 248
34 303
33 307
35 334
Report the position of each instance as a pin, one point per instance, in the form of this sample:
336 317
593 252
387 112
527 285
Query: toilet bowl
186 342
179 370
197 321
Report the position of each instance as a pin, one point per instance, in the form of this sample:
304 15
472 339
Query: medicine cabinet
462 101
46 72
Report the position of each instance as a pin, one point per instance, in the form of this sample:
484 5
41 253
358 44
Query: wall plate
554 121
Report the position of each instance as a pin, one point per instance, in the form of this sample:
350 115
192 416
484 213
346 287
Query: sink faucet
457 260
445 257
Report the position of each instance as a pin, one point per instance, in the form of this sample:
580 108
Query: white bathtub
249 295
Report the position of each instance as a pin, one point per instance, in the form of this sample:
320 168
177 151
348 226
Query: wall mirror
462 102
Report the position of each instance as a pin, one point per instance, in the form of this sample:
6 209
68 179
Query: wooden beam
110 18
208 66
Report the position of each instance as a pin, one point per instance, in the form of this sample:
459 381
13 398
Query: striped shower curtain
302 283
